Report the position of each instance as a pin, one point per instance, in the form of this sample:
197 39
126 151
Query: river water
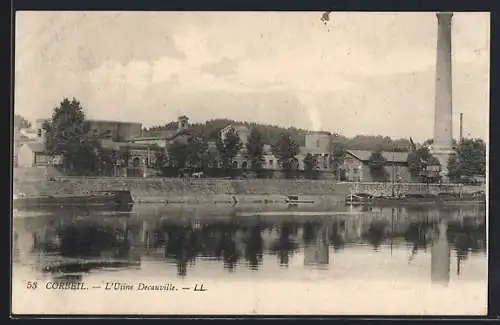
204 260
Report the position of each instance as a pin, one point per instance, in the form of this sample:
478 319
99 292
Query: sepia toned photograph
250 163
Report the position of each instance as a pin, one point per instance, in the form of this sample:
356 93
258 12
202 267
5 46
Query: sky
361 73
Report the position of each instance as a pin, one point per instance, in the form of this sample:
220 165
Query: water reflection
440 255
338 235
316 247
419 235
71 244
286 243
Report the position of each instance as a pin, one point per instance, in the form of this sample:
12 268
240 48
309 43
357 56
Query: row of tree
194 152
68 134
470 158
271 133
468 161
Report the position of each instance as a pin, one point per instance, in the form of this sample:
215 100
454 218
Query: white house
32 154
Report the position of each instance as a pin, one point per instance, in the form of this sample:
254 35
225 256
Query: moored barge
444 198
294 199
110 199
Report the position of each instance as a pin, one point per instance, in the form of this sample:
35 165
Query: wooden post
461 127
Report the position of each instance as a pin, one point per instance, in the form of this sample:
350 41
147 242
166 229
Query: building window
235 164
317 143
271 162
39 133
244 165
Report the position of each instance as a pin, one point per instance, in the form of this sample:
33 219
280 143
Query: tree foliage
178 152
430 142
285 149
310 163
271 134
122 156
161 160
369 142
20 122
190 153
210 130
67 129
377 164
255 149
418 163
67 134
228 147
470 159
337 157
198 152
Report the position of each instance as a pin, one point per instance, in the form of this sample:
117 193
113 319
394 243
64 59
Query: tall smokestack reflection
441 256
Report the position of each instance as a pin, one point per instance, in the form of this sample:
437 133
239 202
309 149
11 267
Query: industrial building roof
390 156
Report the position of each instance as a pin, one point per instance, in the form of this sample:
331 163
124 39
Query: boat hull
424 202
299 201
433 200
98 200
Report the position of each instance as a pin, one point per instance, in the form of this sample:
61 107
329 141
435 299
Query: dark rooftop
364 155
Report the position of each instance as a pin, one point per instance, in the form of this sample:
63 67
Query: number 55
31 285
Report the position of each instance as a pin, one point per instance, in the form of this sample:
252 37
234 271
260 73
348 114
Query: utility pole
461 127
393 170
392 180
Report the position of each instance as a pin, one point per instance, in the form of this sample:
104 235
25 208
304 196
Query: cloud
402 105
63 39
223 67
361 73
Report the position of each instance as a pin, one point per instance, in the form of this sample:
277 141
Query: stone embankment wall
175 190
252 191
405 188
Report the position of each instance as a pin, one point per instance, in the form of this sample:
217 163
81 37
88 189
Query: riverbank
223 191
175 190
168 191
